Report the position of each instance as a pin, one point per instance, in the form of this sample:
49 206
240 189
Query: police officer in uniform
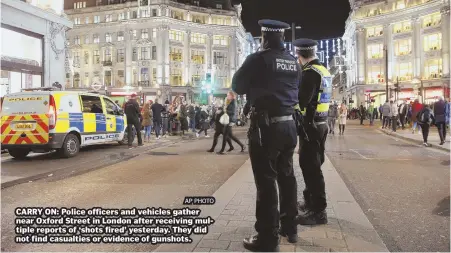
314 99
270 78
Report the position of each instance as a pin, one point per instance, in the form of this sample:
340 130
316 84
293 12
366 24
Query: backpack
423 116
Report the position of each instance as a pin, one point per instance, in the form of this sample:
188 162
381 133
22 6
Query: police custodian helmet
269 25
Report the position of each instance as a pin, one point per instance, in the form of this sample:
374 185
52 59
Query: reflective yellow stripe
321 70
111 123
62 124
89 122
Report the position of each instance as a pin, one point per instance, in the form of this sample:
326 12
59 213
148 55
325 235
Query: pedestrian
166 129
197 116
416 108
183 117
394 115
157 109
342 118
386 109
204 123
362 113
332 117
219 129
147 120
371 113
231 112
132 113
270 79
314 93
402 112
425 118
192 117
440 118
380 113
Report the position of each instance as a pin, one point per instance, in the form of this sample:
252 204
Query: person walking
192 117
380 113
394 115
270 80
425 118
440 118
314 95
386 110
332 115
183 116
157 109
343 112
371 113
132 113
416 108
147 120
219 129
403 109
204 123
231 112
362 113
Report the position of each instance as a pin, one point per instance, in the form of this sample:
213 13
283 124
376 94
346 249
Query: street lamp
416 81
293 29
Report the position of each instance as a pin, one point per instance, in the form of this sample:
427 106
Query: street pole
293 35
422 91
386 72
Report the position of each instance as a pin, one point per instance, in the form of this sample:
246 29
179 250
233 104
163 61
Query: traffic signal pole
386 73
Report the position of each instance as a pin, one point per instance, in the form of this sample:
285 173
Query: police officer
314 98
270 79
132 112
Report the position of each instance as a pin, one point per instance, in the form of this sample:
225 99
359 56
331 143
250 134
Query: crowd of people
179 117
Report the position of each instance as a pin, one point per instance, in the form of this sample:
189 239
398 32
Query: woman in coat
342 115
231 112
147 120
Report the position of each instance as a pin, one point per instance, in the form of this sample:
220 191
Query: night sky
319 19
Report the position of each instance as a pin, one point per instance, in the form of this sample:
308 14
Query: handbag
224 120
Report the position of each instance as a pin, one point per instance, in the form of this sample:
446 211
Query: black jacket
231 111
157 109
439 111
132 110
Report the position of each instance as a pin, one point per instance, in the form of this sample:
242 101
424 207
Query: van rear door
25 119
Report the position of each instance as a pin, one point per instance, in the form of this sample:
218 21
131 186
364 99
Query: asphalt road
403 188
159 177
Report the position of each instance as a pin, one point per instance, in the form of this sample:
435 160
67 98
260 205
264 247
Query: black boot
312 218
303 206
291 238
255 244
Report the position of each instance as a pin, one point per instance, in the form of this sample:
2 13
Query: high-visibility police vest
324 92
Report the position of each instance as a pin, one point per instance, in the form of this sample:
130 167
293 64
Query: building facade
397 41
33 45
155 48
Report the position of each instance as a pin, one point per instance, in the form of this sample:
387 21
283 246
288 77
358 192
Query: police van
42 120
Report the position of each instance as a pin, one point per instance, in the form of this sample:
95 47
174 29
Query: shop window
96 57
120 55
176 35
219 57
108 57
77 21
134 15
402 27
433 69
86 79
176 77
375 51
144 34
197 56
108 37
403 47
96 19
86 57
375 74
218 6
175 54
76 81
77 40
135 76
145 53
375 31
199 19
134 54
433 42
107 78
120 80
144 74
76 55
154 33
96 39
154 52
198 38
404 71
145 13
432 20
154 13
120 36
121 16
154 75
108 18
91 104
177 15
221 40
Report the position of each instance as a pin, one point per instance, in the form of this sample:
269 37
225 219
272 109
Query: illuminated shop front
33 46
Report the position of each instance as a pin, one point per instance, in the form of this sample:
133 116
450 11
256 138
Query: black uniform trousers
273 162
137 124
311 157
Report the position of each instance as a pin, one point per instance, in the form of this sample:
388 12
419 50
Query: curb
75 170
420 142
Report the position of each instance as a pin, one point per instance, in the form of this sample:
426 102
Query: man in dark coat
440 118
157 109
132 112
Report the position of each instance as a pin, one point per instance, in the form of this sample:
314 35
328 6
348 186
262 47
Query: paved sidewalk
417 137
348 228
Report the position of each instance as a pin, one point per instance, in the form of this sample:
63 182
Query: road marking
364 157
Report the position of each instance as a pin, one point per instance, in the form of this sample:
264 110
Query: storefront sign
122 93
405 95
434 93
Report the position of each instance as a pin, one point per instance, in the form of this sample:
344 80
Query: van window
110 107
25 104
91 104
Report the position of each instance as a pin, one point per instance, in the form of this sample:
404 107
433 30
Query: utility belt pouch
263 119
254 132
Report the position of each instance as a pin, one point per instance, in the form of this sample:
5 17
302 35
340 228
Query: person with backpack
425 118
440 118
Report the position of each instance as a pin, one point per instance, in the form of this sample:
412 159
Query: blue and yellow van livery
41 121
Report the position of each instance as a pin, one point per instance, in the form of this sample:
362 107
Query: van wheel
19 153
71 146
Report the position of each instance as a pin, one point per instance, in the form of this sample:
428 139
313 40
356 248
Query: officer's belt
273 120
317 123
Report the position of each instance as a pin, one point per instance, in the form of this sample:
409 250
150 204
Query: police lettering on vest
283 65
